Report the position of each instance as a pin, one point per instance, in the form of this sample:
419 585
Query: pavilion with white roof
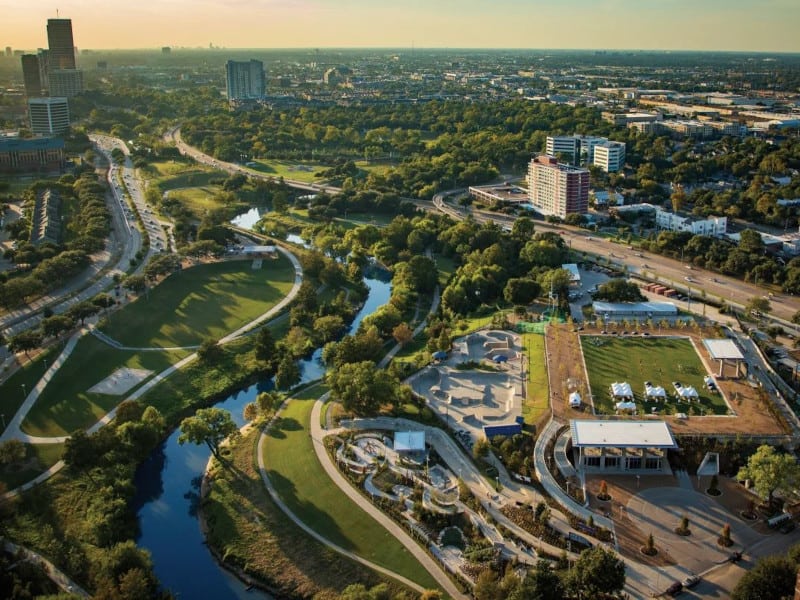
636 447
724 350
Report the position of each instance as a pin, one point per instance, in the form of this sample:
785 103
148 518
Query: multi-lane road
677 274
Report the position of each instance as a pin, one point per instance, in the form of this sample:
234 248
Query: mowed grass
289 169
206 301
537 399
15 389
303 485
243 521
659 360
66 404
171 175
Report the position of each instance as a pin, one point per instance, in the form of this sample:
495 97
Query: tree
56 325
402 334
481 448
758 306
12 452
25 341
771 577
361 387
79 451
82 311
770 472
288 373
619 290
796 318
597 572
541 583
209 426
250 412
265 345
521 290
135 283
209 351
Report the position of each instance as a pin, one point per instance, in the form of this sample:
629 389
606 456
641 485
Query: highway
668 270
124 242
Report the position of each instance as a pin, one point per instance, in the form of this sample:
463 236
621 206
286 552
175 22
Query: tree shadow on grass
310 514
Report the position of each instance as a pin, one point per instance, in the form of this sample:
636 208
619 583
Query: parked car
675 589
691 581
788 527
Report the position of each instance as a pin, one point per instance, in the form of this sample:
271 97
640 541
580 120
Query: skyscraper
244 79
65 83
557 189
60 43
31 76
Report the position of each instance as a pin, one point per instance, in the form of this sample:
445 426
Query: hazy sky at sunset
768 25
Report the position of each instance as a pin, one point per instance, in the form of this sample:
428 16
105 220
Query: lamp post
2 416
24 392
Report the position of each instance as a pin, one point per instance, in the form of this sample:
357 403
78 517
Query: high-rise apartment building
31 76
610 156
61 44
48 116
245 79
557 189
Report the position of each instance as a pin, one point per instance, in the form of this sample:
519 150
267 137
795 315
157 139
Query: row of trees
48 266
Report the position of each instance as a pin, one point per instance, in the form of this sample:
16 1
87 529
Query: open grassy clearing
243 521
65 404
447 266
659 360
208 300
170 175
298 170
40 457
14 390
305 488
537 399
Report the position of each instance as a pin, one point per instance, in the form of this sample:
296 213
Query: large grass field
537 399
14 390
660 360
206 301
305 488
65 404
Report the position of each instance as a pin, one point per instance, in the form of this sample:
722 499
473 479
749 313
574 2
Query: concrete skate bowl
427 378
507 352
490 394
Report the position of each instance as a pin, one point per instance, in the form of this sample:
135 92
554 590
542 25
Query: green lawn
172 175
209 300
14 390
298 170
306 489
447 267
65 404
660 360
537 401
40 457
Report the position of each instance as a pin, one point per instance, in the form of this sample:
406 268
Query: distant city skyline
724 25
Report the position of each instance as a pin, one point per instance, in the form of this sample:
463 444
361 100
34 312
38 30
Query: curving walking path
297 521
13 430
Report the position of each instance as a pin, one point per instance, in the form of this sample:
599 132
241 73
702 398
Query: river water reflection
168 486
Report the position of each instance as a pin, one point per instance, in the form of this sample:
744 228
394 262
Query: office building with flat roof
609 156
48 116
579 149
65 83
30 75
245 79
557 189
60 44
36 155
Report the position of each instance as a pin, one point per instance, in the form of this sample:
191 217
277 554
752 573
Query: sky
753 25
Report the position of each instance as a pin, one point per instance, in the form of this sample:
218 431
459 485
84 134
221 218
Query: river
168 483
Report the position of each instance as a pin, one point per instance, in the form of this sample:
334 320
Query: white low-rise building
609 156
713 226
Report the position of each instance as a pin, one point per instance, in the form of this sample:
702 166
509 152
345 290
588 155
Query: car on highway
675 589
689 279
691 581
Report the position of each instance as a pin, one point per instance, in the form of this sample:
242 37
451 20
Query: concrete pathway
13 430
55 574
